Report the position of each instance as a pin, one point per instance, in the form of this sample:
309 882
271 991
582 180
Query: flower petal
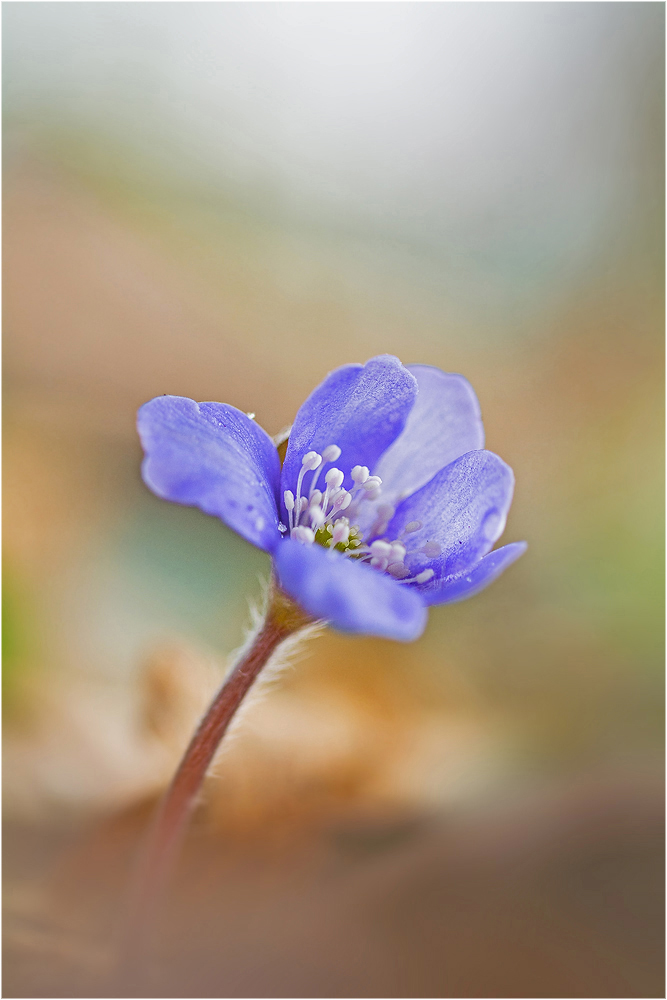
463 509
458 588
444 424
350 596
212 456
360 408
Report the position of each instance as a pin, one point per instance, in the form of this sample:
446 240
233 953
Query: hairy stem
283 618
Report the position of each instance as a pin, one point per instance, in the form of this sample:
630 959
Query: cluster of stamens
318 517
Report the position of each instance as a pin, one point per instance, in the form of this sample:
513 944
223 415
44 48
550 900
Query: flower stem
283 618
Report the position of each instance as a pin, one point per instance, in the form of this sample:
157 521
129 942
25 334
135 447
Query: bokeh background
225 201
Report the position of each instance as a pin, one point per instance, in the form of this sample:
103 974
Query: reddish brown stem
283 618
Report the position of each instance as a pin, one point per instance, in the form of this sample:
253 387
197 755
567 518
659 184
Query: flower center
317 517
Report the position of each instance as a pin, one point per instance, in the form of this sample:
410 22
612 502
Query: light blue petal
458 588
350 596
360 408
444 424
463 509
212 456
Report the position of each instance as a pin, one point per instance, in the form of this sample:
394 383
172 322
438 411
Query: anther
304 535
342 501
372 483
398 570
316 515
425 575
380 549
412 526
397 552
360 474
334 478
288 496
432 549
341 531
311 460
331 453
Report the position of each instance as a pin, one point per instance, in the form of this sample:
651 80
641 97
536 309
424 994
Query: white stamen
319 510
398 570
331 453
360 474
422 577
397 552
301 504
341 531
432 549
334 478
316 515
342 500
304 535
289 504
372 483
380 549
311 460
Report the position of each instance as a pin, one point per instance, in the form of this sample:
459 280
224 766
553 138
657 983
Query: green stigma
325 536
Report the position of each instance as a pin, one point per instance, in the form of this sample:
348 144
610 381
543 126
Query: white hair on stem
283 658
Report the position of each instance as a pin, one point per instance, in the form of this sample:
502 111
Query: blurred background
225 201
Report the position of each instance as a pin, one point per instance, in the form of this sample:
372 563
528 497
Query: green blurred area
14 639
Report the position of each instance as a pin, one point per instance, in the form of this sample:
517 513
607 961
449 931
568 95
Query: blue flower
386 502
